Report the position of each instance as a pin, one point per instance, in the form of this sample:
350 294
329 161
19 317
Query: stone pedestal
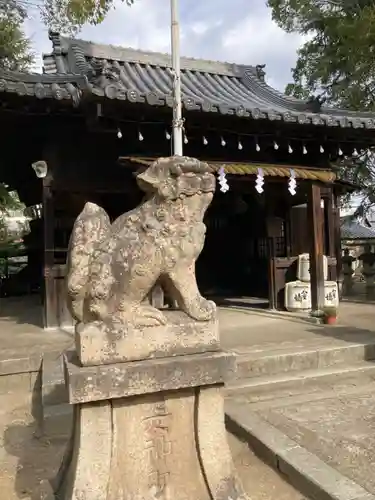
99 343
149 430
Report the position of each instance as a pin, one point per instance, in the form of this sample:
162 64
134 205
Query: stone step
304 470
256 389
269 361
258 369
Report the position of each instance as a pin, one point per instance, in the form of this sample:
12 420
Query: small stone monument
146 385
347 264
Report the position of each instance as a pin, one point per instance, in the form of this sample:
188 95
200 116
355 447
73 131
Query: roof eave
42 86
73 55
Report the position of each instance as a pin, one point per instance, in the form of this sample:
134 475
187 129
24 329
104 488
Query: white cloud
211 29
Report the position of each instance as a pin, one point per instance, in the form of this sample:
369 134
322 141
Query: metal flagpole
177 123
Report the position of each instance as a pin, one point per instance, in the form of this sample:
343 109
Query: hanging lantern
257 147
205 141
167 135
224 187
321 149
275 146
140 136
186 140
339 152
240 147
355 152
292 184
304 150
290 149
119 133
222 142
259 182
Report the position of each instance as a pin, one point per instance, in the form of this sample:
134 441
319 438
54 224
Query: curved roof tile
146 77
59 87
353 230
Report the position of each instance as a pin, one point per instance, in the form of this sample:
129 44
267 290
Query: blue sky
236 31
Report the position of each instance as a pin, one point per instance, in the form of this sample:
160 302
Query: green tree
336 63
15 52
9 204
337 59
69 16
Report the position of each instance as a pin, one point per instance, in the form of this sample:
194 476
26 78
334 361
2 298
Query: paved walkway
247 329
242 330
333 420
319 427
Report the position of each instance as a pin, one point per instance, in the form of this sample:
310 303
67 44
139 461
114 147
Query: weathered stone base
99 343
168 443
165 446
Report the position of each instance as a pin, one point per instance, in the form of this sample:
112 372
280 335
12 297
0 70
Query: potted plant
330 315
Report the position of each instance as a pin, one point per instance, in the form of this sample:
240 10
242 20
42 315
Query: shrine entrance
235 261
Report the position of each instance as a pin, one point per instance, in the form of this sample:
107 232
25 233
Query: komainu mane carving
112 268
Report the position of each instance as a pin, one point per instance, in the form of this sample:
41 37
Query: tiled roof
209 86
353 230
58 87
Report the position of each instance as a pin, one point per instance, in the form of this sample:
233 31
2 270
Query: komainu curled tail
90 228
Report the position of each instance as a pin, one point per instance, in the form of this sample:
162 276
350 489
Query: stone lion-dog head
179 177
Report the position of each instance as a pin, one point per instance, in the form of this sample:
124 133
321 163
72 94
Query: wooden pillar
272 292
337 235
50 308
315 226
329 219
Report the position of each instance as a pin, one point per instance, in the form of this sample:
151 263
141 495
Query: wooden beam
315 226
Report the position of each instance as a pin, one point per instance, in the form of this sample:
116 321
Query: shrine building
99 113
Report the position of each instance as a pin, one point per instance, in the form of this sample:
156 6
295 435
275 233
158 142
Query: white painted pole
177 123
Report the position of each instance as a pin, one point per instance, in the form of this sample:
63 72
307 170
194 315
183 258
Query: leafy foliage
337 64
68 16
360 171
15 53
9 204
337 59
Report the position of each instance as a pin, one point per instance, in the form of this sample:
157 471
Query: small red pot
330 320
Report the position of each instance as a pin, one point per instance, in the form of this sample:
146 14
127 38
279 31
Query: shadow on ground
31 459
25 310
38 459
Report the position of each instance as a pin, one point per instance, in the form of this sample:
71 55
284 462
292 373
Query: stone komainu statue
112 267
